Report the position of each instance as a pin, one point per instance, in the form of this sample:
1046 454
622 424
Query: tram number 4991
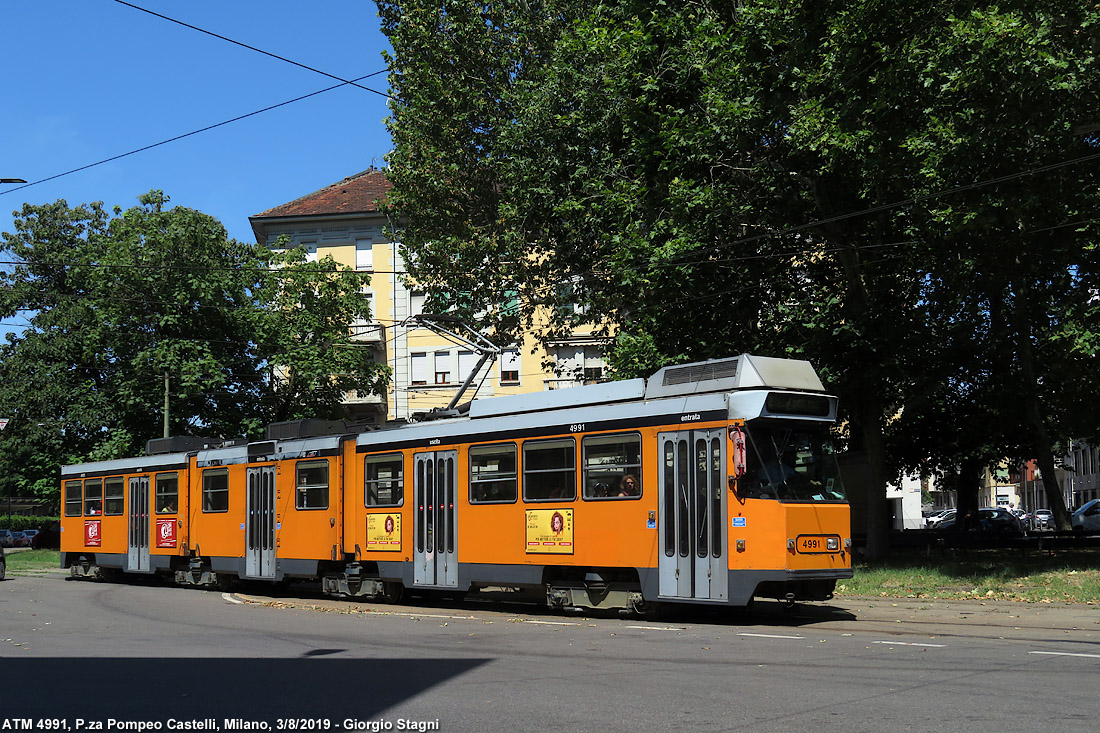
576 427
815 544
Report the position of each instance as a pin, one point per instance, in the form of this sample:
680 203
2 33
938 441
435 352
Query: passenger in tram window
629 486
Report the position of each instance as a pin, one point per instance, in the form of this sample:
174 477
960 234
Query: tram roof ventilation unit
178 444
736 373
310 427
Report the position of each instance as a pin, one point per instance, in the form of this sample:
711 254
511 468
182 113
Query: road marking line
773 636
658 628
433 615
908 643
549 623
1067 654
229 598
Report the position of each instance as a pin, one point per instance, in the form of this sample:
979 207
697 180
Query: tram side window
384 483
93 497
167 501
74 497
493 474
113 496
215 490
312 485
550 470
613 466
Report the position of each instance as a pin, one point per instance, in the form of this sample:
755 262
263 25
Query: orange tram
709 483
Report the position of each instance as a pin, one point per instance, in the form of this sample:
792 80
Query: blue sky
86 80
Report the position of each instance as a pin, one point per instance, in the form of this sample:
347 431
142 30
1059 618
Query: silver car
1042 519
6 538
1087 518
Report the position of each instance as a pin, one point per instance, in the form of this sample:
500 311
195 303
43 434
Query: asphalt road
82 653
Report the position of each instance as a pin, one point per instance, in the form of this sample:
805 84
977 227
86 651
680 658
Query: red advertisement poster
166 533
92 537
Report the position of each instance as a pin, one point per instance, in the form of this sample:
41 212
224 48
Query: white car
938 518
1042 519
1087 518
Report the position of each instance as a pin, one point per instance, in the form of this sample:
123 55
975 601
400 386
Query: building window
419 364
550 470
612 466
509 365
167 493
113 496
493 474
443 367
215 490
384 483
364 325
364 254
311 251
93 497
416 304
467 360
74 497
311 485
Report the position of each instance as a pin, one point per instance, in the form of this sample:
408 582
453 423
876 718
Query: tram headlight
832 544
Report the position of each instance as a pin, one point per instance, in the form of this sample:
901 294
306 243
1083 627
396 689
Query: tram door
259 559
694 550
436 563
137 558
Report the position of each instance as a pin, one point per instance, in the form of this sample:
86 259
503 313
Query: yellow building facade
343 221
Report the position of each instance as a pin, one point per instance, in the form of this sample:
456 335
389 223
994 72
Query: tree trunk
966 491
874 443
1029 396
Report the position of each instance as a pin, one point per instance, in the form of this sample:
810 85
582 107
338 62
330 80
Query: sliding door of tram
436 563
693 561
259 558
137 557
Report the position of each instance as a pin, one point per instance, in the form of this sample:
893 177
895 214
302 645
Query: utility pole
166 404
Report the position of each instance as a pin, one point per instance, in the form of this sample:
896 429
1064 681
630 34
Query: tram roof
737 373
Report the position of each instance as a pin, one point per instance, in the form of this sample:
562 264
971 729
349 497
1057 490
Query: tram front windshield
790 463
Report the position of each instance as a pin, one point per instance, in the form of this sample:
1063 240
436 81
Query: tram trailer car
707 483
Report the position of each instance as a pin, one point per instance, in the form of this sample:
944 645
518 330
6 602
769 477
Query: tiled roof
358 194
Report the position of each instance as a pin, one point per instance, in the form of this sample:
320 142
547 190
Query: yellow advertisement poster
550 531
384 532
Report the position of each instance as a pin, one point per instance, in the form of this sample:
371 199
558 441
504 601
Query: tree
812 179
154 303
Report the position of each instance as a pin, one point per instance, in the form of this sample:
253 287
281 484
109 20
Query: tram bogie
709 483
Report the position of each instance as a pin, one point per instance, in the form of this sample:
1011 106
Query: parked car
936 520
1087 518
1042 519
28 537
48 538
987 519
17 538
6 539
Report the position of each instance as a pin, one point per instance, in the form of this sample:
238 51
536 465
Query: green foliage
125 305
879 188
20 521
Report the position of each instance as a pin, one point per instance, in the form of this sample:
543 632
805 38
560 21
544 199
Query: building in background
343 221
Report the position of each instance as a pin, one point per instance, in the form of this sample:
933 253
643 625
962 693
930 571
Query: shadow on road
196 689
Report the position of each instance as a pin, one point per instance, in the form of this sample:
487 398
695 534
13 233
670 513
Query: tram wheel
225 582
392 592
